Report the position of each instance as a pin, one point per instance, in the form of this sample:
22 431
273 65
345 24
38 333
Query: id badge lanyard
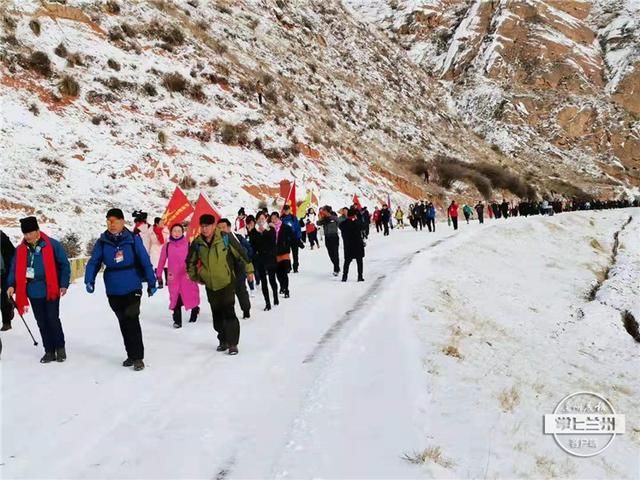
30 270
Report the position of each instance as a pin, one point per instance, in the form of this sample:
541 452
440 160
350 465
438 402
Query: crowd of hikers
231 260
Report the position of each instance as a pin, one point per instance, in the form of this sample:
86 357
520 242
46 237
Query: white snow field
449 354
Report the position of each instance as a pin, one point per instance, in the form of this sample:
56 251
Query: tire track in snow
363 301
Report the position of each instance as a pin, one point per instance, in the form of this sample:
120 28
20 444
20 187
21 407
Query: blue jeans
47 313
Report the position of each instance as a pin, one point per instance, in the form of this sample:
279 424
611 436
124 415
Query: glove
90 287
151 291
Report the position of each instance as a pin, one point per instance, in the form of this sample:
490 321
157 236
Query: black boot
138 365
286 294
267 307
177 317
222 347
5 327
360 279
127 363
275 300
48 357
246 314
233 350
194 314
61 354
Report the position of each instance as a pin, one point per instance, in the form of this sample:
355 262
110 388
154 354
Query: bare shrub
197 93
128 30
162 137
39 62
150 89
231 134
502 178
74 59
90 246
509 399
61 51
174 82
431 454
70 242
188 182
34 25
212 182
69 86
112 7
113 65
33 108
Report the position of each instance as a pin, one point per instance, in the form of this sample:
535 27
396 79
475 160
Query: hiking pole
35 344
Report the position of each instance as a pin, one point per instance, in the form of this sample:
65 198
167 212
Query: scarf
159 235
50 273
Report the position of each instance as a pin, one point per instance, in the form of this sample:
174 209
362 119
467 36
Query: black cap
115 212
207 219
29 224
139 216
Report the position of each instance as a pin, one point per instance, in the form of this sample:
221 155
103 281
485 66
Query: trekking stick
35 344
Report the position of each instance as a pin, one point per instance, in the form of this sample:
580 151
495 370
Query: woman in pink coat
182 291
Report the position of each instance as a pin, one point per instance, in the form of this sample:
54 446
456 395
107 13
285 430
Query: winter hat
207 219
140 216
115 212
29 224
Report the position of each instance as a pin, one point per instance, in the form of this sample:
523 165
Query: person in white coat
159 235
142 228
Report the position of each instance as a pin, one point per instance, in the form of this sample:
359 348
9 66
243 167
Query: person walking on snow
126 265
158 238
385 217
431 217
285 239
263 242
452 214
351 230
467 211
366 220
6 256
241 223
259 91
183 292
377 219
142 229
241 277
399 216
208 263
328 220
291 220
39 275
504 208
312 234
480 211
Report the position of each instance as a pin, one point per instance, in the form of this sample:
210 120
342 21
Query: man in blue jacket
39 275
290 219
126 264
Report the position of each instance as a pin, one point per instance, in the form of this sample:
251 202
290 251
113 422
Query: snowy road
340 381
310 378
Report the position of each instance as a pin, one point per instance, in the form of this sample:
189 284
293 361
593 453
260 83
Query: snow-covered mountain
114 103
556 77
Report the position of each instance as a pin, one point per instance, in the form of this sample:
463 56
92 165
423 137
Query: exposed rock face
555 76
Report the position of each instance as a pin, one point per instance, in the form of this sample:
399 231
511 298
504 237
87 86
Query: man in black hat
142 228
8 251
39 276
127 264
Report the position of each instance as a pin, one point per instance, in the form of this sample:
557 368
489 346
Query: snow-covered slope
425 362
345 111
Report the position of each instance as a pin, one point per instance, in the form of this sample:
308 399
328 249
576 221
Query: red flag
356 202
291 199
202 207
178 209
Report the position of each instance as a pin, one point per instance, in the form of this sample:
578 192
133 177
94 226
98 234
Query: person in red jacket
452 213
377 219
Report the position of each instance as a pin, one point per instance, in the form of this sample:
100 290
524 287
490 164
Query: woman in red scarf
39 275
159 236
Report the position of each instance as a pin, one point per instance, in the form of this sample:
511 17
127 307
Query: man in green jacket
207 263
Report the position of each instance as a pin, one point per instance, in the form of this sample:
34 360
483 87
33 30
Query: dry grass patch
509 399
428 455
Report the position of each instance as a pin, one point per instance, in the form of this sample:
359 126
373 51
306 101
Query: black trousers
6 308
454 220
177 312
225 322
127 310
282 272
47 313
243 294
313 238
347 262
466 217
294 253
378 227
481 217
386 228
333 247
263 274
431 224
367 229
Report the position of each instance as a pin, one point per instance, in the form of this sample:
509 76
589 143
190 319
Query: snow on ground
342 381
